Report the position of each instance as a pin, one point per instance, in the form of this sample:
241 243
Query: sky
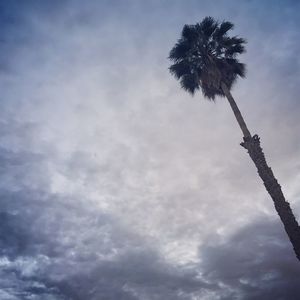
115 184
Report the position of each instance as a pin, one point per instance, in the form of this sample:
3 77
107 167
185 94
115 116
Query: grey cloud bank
115 184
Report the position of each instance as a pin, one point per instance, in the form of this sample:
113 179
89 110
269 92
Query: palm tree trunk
252 144
236 111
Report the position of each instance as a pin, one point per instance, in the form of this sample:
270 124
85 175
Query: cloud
256 262
114 184
53 246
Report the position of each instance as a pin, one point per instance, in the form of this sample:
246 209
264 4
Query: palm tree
205 57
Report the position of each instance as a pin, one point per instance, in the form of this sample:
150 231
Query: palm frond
231 41
180 50
210 92
189 32
224 27
190 83
236 67
208 26
179 69
234 49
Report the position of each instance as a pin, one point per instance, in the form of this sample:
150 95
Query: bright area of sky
116 184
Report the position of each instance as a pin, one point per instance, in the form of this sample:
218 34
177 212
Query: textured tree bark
282 207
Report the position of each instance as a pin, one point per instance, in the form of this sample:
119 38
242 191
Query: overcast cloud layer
114 183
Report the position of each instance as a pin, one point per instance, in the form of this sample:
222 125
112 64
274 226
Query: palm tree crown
205 57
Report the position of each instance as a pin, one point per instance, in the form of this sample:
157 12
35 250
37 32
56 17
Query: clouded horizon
115 183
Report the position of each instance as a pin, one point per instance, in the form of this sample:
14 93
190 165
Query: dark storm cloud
257 262
53 246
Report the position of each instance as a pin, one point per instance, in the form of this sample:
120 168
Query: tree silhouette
205 57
